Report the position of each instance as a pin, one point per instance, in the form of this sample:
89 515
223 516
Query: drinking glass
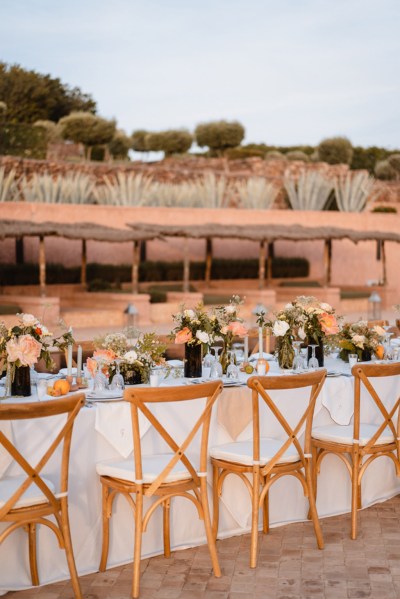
298 361
41 388
353 359
304 356
208 361
387 348
232 372
313 362
216 368
117 383
100 382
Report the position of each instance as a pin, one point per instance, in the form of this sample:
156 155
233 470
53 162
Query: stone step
87 317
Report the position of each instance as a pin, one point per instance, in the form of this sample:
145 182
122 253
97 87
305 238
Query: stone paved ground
289 566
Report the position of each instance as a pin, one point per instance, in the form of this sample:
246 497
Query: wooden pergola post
186 266
383 256
328 261
84 265
42 267
209 257
135 267
261 265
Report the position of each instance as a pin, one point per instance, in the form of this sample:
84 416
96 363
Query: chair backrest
140 396
363 373
69 406
261 386
377 323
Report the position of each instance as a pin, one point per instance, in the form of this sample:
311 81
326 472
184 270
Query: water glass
41 388
154 379
353 359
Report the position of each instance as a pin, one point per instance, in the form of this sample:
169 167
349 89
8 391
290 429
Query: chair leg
266 510
313 508
31 529
106 529
314 476
209 531
354 494
254 516
137 554
69 549
215 501
166 528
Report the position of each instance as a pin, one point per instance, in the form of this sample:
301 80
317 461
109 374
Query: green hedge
23 140
99 275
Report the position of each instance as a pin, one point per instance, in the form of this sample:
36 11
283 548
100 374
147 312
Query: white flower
359 341
289 306
28 320
379 330
301 333
280 328
130 356
45 331
203 336
230 309
325 307
189 314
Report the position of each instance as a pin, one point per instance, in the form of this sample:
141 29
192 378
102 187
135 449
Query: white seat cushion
32 496
337 433
151 465
241 452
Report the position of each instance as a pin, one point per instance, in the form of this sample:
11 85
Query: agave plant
214 191
208 192
125 190
76 188
353 191
256 193
309 192
8 186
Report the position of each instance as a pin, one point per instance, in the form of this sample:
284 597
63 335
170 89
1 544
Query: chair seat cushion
152 466
337 433
241 452
32 496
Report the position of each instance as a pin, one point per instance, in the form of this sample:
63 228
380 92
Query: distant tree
87 129
154 142
384 170
120 145
219 135
139 140
297 155
176 141
394 161
53 130
31 96
335 150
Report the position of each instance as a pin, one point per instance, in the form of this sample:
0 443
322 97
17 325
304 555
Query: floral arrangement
136 352
27 342
357 338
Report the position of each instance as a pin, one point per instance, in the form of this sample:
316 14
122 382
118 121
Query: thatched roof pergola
83 231
266 235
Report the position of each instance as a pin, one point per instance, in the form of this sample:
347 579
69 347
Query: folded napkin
235 410
113 421
337 397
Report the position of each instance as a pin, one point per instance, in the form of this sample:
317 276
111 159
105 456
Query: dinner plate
107 395
332 374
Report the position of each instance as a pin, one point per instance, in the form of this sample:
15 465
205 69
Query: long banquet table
102 431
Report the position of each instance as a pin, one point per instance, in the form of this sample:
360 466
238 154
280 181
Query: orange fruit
63 386
380 352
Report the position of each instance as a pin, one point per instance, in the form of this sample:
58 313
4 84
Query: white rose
289 306
189 313
280 328
326 307
203 336
230 309
28 319
379 331
301 333
359 341
130 356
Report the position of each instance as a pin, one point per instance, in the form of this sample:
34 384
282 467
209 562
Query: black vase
133 377
193 365
366 355
319 350
21 385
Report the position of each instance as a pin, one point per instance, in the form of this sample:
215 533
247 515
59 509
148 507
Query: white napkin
113 421
337 397
5 458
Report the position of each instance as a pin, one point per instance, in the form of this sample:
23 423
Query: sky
291 71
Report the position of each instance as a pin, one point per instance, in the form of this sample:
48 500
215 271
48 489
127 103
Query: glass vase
21 383
285 351
193 364
319 350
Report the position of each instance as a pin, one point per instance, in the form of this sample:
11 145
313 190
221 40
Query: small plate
64 371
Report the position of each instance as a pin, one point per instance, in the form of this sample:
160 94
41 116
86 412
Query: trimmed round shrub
219 135
335 150
275 155
138 140
384 171
298 155
120 145
385 209
175 141
394 161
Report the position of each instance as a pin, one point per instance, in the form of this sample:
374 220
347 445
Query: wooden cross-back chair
360 443
163 475
27 500
267 459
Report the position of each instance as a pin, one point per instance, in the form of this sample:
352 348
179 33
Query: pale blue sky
292 71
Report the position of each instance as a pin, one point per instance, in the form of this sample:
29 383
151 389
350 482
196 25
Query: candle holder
73 386
81 382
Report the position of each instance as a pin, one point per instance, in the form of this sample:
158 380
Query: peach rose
237 328
105 354
328 324
24 349
91 365
183 336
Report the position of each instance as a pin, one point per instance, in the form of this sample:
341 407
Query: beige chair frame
263 477
352 455
195 482
56 505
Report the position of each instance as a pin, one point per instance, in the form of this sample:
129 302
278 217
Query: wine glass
298 362
313 362
100 381
216 368
388 353
117 383
232 372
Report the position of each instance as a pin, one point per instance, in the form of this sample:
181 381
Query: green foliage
120 145
385 209
366 158
384 171
242 152
154 142
139 140
394 161
87 128
275 155
31 96
176 141
220 135
18 139
298 155
335 150
51 129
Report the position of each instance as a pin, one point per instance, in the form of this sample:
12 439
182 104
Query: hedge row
28 274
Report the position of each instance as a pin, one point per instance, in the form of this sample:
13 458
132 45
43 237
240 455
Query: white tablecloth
92 442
